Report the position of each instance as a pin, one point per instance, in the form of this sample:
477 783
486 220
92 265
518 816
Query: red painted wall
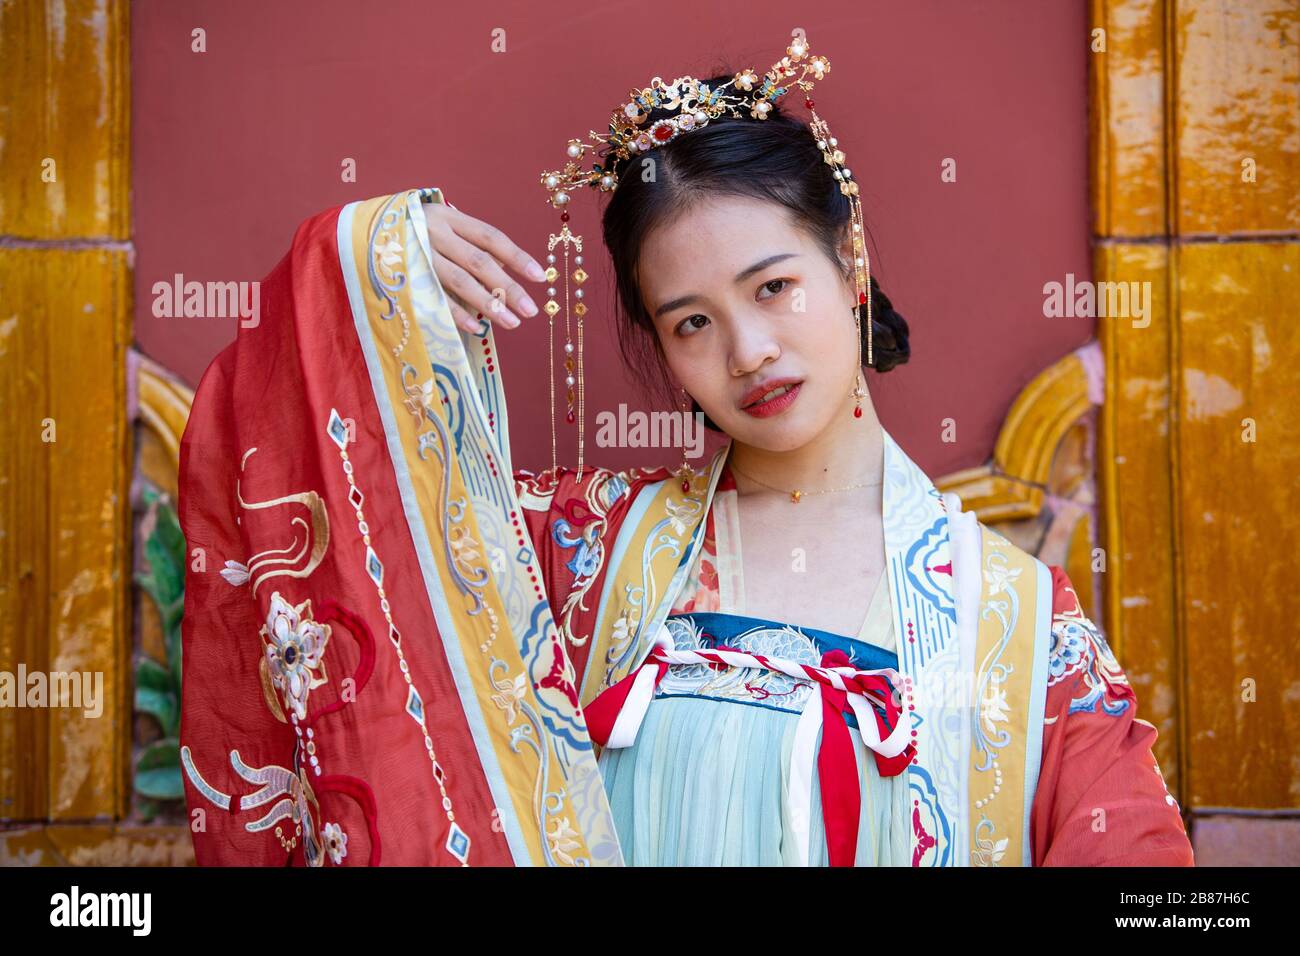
234 146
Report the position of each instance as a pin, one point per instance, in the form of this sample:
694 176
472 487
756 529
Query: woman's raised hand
470 259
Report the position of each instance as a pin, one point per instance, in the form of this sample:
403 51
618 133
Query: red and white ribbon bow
615 716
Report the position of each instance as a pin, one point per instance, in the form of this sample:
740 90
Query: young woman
799 653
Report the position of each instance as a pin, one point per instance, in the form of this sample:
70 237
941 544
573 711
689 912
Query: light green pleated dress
705 782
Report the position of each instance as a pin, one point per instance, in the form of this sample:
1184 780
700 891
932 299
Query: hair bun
889 345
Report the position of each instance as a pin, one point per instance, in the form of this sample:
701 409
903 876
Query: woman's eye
689 325
775 292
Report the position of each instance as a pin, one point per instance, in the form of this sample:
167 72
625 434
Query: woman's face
741 297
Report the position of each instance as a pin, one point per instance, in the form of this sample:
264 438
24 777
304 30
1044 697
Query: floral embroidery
922 841
988 851
295 650
287 790
462 547
1069 648
621 627
679 513
235 574
708 576
512 695
336 842
1000 578
587 558
560 676
751 685
581 526
1078 648
993 707
561 838
701 591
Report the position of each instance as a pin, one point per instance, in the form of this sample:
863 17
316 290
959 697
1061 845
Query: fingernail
536 272
512 322
529 306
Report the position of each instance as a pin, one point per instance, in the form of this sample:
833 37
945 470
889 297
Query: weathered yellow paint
1127 117
1239 365
105 845
1196 521
88 532
1238 105
1136 486
24 567
66 565
65 449
65 99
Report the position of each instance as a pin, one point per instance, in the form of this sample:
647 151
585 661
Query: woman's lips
774 406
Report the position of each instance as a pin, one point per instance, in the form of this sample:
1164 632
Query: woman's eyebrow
741 277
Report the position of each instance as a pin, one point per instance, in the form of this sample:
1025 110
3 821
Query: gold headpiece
690 105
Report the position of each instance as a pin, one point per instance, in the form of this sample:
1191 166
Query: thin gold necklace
796 494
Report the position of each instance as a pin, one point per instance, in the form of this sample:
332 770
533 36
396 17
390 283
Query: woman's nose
752 346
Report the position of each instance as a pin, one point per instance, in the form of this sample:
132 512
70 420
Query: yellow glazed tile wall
1127 117
1196 157
1237 107
1137 495
65 99
64 442
1239 365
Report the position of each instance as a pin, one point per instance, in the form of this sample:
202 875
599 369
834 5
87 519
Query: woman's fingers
470 258
464 320
496 242
467 297
484 266
471 293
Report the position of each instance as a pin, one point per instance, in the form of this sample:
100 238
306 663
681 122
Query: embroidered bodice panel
709 611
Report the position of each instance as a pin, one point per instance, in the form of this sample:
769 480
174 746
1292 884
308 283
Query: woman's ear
845 253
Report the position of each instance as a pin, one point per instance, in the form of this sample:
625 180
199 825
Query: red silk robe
334 709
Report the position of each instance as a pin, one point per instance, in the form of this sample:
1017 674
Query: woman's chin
781 433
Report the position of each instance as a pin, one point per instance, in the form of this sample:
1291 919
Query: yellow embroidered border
401 344
1005 722
645 573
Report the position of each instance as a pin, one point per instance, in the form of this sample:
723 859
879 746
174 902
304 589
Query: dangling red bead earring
859 392
684 471
862 277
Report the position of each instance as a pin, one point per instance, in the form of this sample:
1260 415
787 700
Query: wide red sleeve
1101 799
223 705
323 722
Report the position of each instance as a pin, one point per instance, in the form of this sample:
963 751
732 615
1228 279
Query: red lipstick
754 404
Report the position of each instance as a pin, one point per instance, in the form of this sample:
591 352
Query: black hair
775 159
